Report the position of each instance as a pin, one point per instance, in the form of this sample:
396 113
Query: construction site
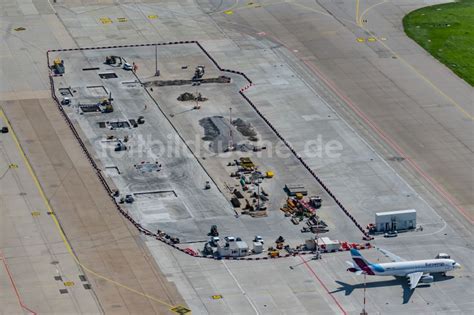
182 151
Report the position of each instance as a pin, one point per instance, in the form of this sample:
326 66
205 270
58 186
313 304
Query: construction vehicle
198 73
315 202
246 164
213 231
105 106
129 199
112 60
120 147
66 101
269 174
279 242
273 253
258 238
58 66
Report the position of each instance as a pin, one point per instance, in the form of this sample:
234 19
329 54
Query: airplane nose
457 266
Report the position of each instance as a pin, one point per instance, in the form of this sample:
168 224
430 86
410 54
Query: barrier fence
163 237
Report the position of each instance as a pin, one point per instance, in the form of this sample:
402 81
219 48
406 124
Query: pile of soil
245 129
211 131
186 96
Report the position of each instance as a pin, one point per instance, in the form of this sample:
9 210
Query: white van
443 256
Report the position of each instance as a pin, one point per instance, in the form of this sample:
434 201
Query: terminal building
395 220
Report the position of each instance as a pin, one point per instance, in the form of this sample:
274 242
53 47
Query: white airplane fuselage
416 270
406 267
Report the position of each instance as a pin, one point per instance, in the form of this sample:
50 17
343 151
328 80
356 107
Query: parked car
391 234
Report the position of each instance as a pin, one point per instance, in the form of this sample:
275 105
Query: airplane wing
414 278
389 255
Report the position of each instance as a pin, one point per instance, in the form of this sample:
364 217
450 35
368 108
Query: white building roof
327 241
395 212
241 245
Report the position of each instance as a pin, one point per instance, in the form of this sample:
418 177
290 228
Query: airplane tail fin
359 261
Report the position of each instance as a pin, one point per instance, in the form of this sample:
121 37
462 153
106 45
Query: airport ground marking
58 225
152 17
229 10
423 77
374 127
105 20
390 142
180 310
12 282
305 262
240 288
357 12
362 15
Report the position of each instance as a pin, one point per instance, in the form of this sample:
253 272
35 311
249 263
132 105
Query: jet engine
427 279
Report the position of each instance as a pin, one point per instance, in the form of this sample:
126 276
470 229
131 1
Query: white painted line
240 287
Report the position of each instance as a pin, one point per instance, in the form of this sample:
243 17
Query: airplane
414 270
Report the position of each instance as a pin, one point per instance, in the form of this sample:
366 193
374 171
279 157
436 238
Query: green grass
447 32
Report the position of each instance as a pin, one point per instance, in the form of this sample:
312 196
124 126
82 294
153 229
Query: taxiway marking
58 225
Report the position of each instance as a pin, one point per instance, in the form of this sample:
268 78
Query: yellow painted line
121 19
446 96
371 39
360 39
35 213
105 20
357 12
69 283
361 18
229 10
152 17
216 297
424 78
13 166
57 224
310 9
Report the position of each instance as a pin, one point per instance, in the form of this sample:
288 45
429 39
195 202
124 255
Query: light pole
231 140
157 72
364 312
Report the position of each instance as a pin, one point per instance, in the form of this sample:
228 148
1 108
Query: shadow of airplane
398 281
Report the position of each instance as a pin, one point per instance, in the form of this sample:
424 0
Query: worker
135 67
